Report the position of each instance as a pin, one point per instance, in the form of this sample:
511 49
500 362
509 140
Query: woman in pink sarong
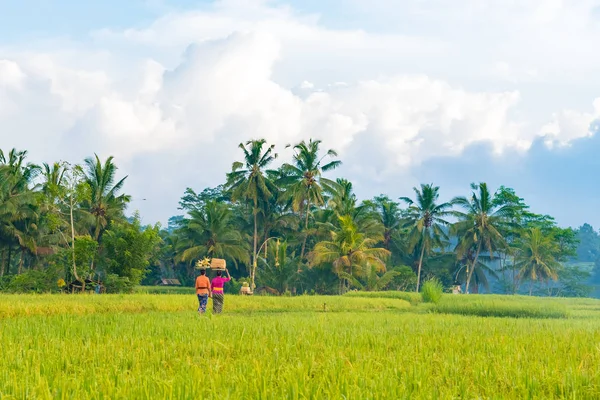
217 291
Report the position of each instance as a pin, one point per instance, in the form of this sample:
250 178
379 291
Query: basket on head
218 264
203 264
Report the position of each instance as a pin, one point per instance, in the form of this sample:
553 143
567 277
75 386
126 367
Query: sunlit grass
26 305
411 297
164 290
155 346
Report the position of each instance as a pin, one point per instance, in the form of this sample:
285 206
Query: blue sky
22 20
407 92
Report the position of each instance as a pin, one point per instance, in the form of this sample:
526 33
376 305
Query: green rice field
358 346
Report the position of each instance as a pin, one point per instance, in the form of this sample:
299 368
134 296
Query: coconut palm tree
281 270
481 271
54 176
373 281
388 214
247 181
350 251
342 199
426 221
208 232
303 179
536 257
104 202
18 205
480 226
276 217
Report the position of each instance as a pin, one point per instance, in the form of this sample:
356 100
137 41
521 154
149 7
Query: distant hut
169 282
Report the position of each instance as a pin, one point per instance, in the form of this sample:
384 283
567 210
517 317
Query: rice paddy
358 346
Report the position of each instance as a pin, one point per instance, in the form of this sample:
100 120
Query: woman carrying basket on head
217 291
202 290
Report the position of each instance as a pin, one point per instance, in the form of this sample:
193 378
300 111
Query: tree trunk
97 233
515 276
420 263
8 259
470 274
530 288
503 259
73 243
3 263
255 256
20 270
305 229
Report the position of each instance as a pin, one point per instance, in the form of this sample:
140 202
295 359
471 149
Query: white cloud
569 125
172 100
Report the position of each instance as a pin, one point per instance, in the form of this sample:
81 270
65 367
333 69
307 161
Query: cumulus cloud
172 100
569 125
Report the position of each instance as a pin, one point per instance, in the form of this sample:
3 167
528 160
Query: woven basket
218 264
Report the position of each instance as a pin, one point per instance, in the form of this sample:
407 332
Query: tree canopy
287 228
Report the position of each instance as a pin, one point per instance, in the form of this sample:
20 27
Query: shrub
32 281
432 291
118 284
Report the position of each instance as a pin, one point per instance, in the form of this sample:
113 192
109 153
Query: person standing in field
217 291
202 290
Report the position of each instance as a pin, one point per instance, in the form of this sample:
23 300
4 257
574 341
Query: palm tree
276 217
53 189
343 202
350 251
18 208
209 232
388 213
304 181
373 281
480 270
54 176
426 222
342 198
536 257
282 272
104 202
480 225
247 181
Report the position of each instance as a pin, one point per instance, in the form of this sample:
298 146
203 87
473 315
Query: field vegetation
372 345
351 297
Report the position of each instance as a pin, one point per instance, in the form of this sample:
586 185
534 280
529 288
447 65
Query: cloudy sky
408 91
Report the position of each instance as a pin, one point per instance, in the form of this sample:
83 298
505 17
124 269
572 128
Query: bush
404 281
32 281
432 291
119 284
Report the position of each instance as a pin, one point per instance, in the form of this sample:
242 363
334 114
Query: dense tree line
63 226
283 229
288 228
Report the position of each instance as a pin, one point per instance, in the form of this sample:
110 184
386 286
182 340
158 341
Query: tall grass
432 291
501 306
164 290
27 305
153 346
411 297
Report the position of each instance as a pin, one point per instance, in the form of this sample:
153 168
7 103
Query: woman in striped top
217 291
